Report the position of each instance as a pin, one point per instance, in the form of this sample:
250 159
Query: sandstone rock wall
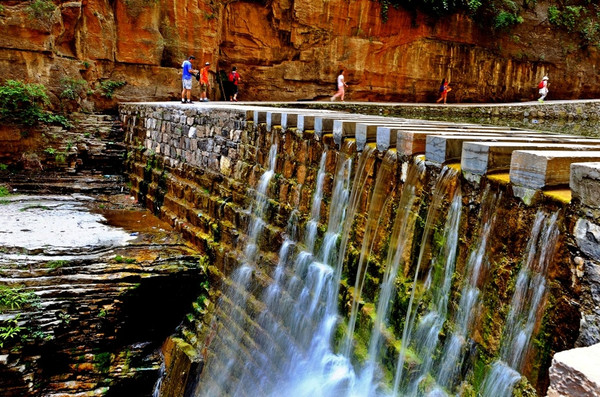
287 50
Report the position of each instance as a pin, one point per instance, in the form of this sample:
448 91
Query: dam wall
212 170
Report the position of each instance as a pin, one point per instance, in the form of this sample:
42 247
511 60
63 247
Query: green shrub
505 20
4 191
12 298
41 9
56 264
109 86
10 329
22 103
71 88
122 259
582 18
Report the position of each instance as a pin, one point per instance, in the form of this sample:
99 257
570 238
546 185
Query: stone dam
363 255
303 251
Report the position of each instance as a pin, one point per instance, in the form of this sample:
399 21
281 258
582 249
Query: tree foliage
23 103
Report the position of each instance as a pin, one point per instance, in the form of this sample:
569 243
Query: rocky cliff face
284 49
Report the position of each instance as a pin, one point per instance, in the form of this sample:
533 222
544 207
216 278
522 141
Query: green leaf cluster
41 9
71 88
108 87
503 13
12 298
10 329
578 16
23 103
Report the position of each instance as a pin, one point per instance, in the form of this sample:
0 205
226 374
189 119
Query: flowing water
235 296
441 191
526 308
280 342
379 199
468 308
404 224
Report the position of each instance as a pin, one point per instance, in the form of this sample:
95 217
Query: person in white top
340 85
543 88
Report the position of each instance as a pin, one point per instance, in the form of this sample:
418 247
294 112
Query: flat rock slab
482 157
575 373
585 183
537 169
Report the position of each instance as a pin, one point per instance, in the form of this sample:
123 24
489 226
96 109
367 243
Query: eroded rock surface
106 283
287 51
575 373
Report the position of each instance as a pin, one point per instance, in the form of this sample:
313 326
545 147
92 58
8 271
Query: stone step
543 168
482 157
442 148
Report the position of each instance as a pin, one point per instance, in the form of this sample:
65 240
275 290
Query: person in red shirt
234 78
204 83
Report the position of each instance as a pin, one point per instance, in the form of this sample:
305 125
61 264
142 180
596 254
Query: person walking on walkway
234 78
543 86
340 85
186 80
204 83
444 89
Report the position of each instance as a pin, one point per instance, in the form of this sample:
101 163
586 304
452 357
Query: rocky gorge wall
284 50
197 168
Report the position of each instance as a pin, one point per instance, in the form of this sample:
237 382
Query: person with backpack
543 88
444 89
340 86
234 78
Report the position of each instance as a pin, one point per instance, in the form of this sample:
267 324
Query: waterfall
232 303
312 366
402 231
431 322
379 199
526 308
275 335
466 313
442 189
315 215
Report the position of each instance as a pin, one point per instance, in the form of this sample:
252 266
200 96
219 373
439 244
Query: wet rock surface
105 282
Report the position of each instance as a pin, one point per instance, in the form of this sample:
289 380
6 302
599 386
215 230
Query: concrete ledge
538 169
273 119
483 157
585 183
443 148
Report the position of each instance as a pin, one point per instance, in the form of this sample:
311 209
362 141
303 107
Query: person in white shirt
340 84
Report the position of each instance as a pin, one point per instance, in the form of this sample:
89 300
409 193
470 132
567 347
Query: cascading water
311 226
402 231
442 189
454 346
234 298
379 199
526 307
431 322
278 341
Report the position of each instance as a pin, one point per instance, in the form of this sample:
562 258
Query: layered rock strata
285 51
